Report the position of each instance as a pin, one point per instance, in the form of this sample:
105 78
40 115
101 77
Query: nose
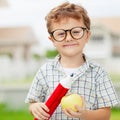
68 36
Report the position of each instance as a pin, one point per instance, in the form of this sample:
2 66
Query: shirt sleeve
105 93
37 91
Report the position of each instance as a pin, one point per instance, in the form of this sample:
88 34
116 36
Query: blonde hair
67 10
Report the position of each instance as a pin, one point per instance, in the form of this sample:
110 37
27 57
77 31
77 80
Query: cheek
56 45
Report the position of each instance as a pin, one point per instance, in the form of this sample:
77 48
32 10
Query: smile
70 45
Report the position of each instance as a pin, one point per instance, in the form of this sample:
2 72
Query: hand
80 111
70 113
39 111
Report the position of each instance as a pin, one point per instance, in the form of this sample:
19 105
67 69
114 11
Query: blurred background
24 46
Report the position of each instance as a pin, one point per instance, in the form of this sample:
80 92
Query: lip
70 45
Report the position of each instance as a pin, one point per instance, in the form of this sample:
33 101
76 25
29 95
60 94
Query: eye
75 32
60 34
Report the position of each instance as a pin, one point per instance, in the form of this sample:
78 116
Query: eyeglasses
60 34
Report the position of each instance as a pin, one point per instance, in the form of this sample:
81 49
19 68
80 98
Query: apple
69 101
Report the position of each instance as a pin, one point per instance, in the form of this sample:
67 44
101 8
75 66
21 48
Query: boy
69 28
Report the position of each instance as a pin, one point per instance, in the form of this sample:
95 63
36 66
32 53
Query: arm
99 114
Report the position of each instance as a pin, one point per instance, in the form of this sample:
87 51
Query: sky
33 12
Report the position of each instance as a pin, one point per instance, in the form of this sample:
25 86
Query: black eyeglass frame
83 28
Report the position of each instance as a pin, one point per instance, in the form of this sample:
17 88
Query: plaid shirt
90 81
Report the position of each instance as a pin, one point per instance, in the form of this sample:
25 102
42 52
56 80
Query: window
97 38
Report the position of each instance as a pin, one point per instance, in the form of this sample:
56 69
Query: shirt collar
83 68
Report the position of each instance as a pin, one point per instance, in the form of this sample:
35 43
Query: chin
70 55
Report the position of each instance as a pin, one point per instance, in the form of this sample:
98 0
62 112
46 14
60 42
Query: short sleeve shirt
90 81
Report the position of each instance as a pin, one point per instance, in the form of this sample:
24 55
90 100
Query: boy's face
70 46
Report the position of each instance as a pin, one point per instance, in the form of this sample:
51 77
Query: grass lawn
7 114
115 114
15 115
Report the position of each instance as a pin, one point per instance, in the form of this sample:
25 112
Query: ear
51 38
88 36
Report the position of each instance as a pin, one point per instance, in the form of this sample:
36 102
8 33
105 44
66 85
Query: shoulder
49 63
93 64
96 68
45 68
99 73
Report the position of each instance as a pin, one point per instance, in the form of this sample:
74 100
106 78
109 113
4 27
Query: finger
78 108
66 111
40 116
45 107
75 114
42 112
39 112
80 112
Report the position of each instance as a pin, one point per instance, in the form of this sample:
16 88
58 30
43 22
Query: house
17 42
113 25
104 44
105 38
3 3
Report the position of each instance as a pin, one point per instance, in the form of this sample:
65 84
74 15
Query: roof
112 23
3 3
17 36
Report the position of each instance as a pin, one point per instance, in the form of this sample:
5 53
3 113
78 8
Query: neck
72 62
